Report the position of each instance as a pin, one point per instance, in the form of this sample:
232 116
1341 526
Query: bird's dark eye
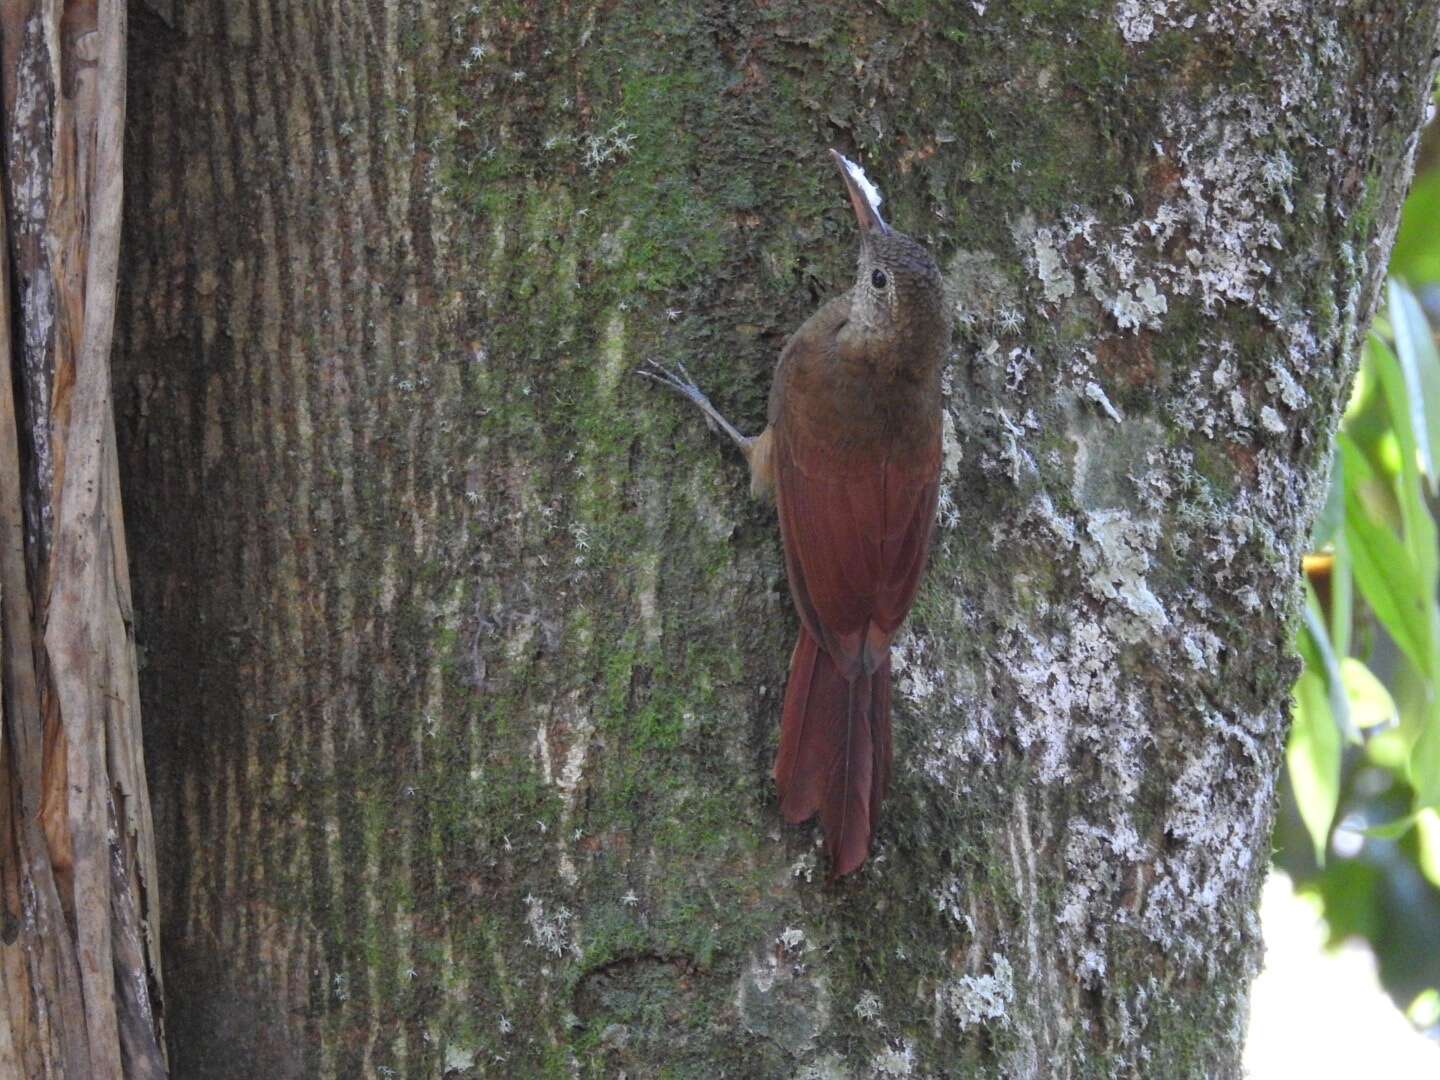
878 279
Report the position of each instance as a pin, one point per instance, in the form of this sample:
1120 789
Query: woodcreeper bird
852 456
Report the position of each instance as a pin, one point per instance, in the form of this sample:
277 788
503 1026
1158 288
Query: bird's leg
679 380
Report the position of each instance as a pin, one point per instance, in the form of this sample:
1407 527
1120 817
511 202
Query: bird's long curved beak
864 196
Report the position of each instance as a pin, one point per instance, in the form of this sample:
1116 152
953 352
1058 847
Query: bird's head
899 299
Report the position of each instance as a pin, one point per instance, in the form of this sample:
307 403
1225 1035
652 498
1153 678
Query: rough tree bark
464 648
79 964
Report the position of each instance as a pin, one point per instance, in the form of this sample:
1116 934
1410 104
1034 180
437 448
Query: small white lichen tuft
867 1008
948 899
615 142
549 933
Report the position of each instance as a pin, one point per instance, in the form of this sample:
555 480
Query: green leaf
1391 830
1416 255
1415 349
1389 749
1425 759
1427 828
1418 363
1370 703
1405 394
1384 569
1313 757
1342 596
1328 666
1407 424
1421 380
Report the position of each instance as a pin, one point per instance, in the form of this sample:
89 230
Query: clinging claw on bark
679 380
756 448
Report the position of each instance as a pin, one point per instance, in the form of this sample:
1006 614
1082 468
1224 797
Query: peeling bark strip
79 971
464 655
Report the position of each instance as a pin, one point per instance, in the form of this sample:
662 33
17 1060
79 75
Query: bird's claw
681 383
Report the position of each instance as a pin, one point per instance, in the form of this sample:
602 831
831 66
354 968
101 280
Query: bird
851 454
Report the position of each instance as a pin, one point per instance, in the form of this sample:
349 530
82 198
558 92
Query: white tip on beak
864 196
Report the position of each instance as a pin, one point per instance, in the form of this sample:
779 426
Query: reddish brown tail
834 751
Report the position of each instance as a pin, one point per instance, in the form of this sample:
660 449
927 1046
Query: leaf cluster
1364 749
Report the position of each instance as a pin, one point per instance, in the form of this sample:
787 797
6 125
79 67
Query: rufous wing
856 533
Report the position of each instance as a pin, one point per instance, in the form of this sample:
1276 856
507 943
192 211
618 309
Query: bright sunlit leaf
1427 832
1342 593
1388 749
1405 376
1376 564
1387 452
1406 396
1370 703
1378 554
1424 1011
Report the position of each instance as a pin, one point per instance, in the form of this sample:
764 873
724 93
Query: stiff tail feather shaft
834 751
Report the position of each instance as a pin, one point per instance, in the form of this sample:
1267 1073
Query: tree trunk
464 648
79 964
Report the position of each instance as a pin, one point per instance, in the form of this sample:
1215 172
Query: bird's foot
679 380
676 378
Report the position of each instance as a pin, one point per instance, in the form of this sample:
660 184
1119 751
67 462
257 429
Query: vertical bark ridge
82 976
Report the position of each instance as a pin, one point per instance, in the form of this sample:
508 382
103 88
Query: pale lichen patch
1056 279
1271 421
914 674
646 590
896 1059
1220 812
973 1000
1138 20
1139 306
571 728
1094 392
1118 560
867 1007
